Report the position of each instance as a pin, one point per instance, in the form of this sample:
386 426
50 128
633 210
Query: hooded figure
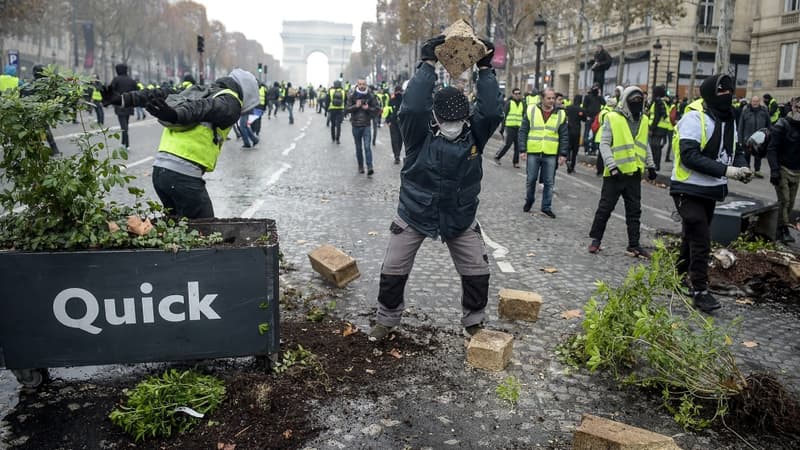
706 155
626 155
121 84
249 87
783 155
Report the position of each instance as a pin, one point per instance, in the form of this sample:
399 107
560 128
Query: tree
625 13
724 35
514 21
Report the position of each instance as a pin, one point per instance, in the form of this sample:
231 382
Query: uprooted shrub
647 333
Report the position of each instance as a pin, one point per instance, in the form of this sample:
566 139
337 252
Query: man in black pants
121 84
514 109
706 156
575 116
393 124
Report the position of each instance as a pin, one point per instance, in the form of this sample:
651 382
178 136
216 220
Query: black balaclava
719 104
635 105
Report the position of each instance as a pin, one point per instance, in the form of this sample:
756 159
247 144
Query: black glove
486 61
775 178
651 173
160 110
615 172
427 52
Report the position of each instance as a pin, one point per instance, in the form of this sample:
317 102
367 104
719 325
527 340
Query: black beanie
450 104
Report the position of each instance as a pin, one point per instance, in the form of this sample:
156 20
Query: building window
791 5
787 68
706 11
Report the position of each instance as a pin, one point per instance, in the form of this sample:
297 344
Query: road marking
301 136
378 141
248 213
141 161
505 267
288 149
277 175
597 189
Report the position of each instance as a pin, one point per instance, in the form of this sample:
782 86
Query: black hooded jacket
121 84
784 145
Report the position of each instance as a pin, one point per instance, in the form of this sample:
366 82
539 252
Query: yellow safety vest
262 95
543 136
629 153
777 114
200 144
96 94
679 171
514 117
8 82
344 98
601 119
386 111
664 123
186 84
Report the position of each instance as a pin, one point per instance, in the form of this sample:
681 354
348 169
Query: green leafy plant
317 314
508 390
300 356
752 244
151 407
647 342
60 203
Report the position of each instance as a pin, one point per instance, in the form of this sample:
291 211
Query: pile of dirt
261 410
758 276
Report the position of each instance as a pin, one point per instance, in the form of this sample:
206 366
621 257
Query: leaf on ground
373 233
370 371
745 301
728 340
750 344
225 446
571 314
549 269
287 434
396 353
349 329
301 241
531 254
324 200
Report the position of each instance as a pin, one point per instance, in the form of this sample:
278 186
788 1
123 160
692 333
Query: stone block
794 268
600 433
461 49
490 350
519 305
335 265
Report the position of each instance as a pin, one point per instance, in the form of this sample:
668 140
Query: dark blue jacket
441 180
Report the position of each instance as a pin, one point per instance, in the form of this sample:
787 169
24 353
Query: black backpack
337 99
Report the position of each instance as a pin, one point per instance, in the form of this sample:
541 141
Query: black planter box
127 306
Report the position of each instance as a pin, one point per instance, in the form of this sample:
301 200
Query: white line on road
277 175
664 214
498 253
378 141
134 164
505 267
301 136
288 149
248 213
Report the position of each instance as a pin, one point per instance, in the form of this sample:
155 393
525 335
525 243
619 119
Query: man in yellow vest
626 154
194 133
514 109
772 106
336 104
97 99
544 135
611 104
660 125
706 154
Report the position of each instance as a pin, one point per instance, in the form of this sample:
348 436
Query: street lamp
539 29
656 53
158 71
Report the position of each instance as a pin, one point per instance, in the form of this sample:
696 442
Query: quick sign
192 305
123 306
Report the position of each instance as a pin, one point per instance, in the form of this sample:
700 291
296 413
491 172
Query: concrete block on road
490 350
795 269
597 432
519 305
335 265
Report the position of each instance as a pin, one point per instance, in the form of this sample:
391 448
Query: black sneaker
472 330
397 161
370 171
549 213
360 170
705 302
496 160
637 252
527 207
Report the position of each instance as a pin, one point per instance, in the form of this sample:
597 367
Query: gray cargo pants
469 256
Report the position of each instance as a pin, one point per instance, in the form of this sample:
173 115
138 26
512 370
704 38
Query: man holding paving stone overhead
440 183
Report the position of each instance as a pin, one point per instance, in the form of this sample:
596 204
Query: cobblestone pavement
310 186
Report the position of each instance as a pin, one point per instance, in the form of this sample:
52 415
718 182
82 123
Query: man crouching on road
440 183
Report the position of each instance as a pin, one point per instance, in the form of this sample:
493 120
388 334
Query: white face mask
450 129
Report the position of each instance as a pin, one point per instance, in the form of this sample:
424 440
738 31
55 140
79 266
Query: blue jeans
363 138
290 107
547 165
247 133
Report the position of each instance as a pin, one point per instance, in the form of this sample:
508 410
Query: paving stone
795 269
334 264
490 350
597 432
519 305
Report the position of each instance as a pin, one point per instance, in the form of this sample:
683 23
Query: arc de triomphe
302 38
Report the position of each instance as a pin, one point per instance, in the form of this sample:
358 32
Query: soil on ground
760 276
261 409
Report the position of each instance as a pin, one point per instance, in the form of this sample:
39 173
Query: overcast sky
262 20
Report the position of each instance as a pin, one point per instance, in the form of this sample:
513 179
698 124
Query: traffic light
669 76
201 44
260 67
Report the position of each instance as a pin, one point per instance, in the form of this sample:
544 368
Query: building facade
774 49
